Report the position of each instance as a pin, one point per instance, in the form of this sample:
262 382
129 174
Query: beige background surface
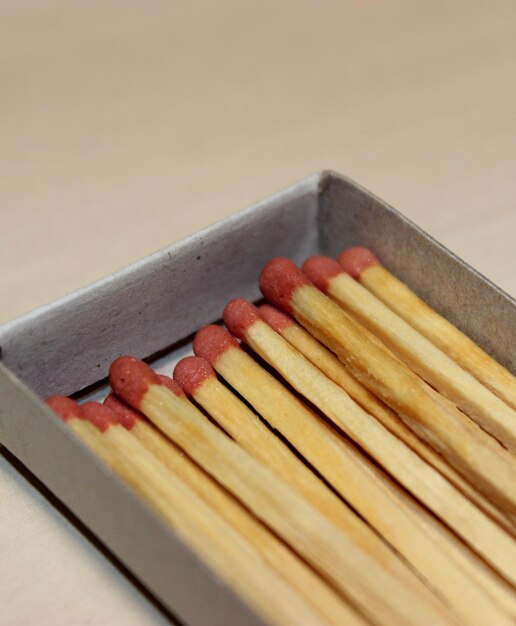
125 125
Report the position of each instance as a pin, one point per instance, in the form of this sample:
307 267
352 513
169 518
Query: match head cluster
65 408
101 416
130 378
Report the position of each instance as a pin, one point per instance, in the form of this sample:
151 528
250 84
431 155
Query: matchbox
151 308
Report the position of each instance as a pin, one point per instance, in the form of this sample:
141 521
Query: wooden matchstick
414 349
322 598
70 412
469 449
422 480
335 370
363 266
456 573
198 380
190 518
378 595
232 558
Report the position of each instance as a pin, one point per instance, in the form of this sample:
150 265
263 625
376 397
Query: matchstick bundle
362 265
364 475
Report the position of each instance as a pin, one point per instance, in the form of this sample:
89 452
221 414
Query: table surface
127 125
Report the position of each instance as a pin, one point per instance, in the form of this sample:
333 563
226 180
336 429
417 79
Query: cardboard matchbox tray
151 308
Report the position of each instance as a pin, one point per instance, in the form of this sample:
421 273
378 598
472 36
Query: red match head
191 372
130 378
239 315
64 407
125 415
212 341
172 385
275 318
99 415
355 260
320 270
278 281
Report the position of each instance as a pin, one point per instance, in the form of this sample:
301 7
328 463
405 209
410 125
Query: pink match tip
212 341
239 315
278 281
172 385
65 408
191 372
125 415
275 318
320 270
130 378
355 260
99 415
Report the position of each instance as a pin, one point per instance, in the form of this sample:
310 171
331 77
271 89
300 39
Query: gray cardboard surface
150 308
159 300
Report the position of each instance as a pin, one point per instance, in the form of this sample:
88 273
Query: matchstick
456 573
414 349
232 558
378 595
198 380
70 412
469 449
235 563
423 481
363 266
322 598
335 370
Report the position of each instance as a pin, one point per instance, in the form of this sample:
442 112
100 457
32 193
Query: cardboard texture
151 307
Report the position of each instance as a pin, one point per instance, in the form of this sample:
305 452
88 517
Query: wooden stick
225 552
197 378
414 349
165 490
70 412
335 370
362 265
469 449
379 596
332 608
445 562
425 483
